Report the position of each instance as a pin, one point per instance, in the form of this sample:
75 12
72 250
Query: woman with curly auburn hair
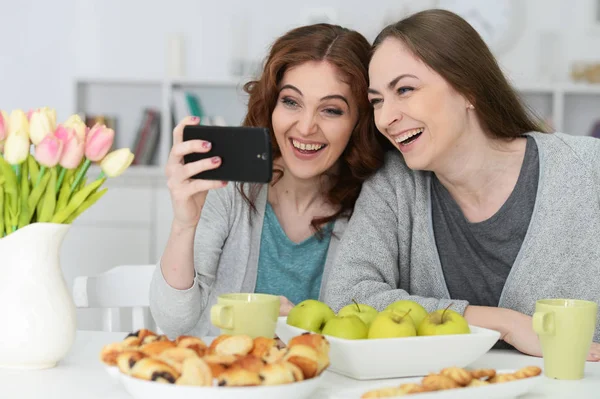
278 238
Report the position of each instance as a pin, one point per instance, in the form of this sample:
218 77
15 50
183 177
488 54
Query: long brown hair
349 52
452 47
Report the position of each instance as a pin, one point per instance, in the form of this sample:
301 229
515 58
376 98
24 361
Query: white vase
37 313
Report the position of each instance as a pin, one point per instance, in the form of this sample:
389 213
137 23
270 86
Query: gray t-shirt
477 257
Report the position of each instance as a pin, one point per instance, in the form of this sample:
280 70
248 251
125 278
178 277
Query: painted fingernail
224 183
216 160
195 119
206 144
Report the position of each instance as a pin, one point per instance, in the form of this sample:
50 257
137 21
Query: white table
82 375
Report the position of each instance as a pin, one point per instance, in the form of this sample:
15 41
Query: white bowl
366 359
142 389
512 389
113 371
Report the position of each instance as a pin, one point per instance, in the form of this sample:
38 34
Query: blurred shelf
119 81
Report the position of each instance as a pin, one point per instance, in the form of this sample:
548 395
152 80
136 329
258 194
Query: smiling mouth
408 137
307 148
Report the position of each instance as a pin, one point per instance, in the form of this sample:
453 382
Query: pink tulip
73 147
98 142
48 151
3 125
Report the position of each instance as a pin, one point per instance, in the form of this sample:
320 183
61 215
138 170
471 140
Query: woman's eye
288 102
375 101
404 89
334 111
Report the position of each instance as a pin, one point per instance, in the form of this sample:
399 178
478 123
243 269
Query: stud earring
470 106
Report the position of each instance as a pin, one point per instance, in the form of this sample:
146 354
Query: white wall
45 44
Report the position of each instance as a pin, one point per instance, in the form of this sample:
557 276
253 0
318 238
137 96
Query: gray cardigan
226 251
388 251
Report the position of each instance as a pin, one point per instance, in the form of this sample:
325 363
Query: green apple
365 312
348 327
392 324
443 322
310 315
417 312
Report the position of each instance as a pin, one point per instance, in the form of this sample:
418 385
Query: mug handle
222 316
543 323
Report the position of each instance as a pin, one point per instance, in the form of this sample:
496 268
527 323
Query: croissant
195 371
154 370
127 359
175 357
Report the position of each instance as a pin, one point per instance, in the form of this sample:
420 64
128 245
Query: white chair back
119 287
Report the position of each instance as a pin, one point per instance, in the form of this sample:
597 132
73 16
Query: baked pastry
436 382
128 358
234 345
175 357
213 345
527 372
238 377
280 373
275 355
195 371
390 392
477 383
483 373
156 347
141 334
154 370
262 347
461 376
317 341
250 363
306 358
193 343
219 363
500 378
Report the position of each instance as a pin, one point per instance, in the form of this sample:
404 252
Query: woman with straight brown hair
279 238
478 209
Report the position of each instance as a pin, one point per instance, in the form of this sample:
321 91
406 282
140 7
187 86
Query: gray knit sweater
388 251
226 252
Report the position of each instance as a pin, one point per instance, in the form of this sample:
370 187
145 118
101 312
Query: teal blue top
293 270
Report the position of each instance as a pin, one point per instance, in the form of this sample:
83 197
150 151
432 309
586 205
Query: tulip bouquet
43 167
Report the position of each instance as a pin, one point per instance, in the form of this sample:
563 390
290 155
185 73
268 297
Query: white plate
367 359
510 389
142 389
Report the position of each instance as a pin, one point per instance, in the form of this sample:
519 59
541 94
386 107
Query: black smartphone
245 152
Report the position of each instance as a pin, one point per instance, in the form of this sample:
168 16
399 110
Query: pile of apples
403 318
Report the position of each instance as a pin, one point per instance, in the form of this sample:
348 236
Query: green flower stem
63 172
81 173
17 169
40 175
101 176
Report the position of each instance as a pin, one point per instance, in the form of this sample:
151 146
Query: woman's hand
187 194
285 306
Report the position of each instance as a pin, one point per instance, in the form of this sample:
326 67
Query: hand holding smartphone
245 152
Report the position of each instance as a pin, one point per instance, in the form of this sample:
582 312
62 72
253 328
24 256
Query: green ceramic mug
250 314
566 329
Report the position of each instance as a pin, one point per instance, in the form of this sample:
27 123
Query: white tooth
302 146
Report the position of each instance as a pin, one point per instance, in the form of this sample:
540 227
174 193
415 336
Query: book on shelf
185 103
147 137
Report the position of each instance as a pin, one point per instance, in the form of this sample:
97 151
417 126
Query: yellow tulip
42 123
18 123
116 162
75 122
16 148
